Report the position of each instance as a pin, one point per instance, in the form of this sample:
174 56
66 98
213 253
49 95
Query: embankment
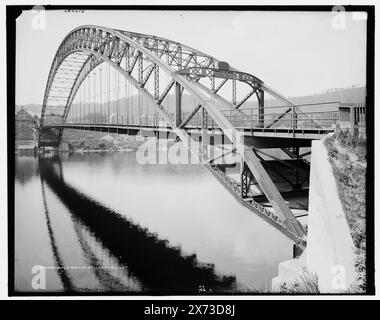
335 239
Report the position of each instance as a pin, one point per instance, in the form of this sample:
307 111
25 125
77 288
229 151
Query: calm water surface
101 222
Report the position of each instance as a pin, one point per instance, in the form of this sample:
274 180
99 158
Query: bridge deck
298 133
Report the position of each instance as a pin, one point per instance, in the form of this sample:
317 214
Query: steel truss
168 58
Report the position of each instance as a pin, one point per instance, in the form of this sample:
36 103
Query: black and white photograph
190 151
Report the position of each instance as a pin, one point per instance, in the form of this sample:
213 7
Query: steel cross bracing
88 46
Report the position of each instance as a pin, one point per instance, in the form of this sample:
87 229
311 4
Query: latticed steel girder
123 50
195 72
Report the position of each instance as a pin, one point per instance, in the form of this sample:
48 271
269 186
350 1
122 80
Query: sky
296 53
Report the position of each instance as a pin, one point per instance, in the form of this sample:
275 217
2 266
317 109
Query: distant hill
346 95
342 95
356 94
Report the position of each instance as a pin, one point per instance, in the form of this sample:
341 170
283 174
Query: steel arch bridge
143 59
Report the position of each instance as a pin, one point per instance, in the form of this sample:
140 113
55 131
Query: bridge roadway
253 136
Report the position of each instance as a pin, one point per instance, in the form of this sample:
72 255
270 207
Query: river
101 222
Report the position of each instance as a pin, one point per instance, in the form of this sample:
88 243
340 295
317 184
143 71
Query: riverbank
85 141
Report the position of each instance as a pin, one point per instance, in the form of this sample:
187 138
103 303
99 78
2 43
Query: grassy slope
348 156
306 284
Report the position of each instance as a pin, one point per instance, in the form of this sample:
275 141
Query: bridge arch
100 44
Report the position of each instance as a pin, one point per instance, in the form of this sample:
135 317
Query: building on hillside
26 127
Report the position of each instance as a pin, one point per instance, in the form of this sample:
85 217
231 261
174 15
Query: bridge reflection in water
144 262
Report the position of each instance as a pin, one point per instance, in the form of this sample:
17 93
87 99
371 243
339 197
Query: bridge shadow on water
159 267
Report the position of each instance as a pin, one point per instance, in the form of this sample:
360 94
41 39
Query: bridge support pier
246 179
204 135
178 104
260 98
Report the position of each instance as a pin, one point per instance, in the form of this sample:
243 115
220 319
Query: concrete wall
329 244
289 271
329 252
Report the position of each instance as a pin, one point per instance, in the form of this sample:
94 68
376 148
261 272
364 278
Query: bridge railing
305 116
315 116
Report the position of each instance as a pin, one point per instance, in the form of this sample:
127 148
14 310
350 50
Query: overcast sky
296 53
